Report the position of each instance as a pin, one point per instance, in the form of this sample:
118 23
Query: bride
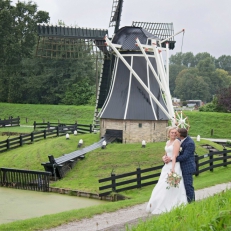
163 199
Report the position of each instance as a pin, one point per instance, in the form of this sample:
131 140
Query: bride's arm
176 150
165 154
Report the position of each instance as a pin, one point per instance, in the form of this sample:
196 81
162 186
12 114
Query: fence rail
11 122
25 179
12 143
80 128
149 176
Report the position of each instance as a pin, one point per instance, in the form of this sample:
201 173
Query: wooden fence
80 128
149 176
11 122
16 142
25 179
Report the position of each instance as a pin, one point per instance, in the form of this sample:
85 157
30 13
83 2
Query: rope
182 41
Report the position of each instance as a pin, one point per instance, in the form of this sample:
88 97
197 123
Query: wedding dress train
162 199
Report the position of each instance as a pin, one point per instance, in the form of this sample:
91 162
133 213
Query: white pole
150 65
163 79
167 64
172 36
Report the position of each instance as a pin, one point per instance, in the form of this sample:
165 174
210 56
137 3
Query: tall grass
213 213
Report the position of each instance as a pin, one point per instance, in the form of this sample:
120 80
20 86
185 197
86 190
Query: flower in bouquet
173 180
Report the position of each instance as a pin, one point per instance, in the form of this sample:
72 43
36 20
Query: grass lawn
119 158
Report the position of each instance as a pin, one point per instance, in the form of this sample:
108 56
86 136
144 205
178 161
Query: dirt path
117 221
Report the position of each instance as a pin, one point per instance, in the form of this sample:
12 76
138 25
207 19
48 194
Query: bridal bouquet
173 180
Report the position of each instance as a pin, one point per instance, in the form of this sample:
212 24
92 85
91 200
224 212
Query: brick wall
134 131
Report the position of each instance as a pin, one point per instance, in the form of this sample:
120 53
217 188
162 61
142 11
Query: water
19 204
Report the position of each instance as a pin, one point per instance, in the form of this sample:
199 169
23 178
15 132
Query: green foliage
212 213
208 79
208 107
27 79
174 69
224 62
189 85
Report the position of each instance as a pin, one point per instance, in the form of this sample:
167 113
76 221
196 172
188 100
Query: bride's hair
170 129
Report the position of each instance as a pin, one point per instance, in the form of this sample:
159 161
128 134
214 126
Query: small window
140 125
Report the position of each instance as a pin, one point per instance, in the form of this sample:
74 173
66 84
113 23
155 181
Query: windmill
132 106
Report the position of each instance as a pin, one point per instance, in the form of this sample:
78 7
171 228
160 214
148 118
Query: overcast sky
207 23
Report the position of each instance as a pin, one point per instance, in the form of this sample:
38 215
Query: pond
19 204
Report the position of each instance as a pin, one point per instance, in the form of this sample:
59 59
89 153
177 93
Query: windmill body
129 110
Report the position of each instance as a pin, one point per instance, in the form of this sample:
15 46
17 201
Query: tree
18 36
218 80
18 31
189 85
201 56
176 59
174 70
224 98
188 59
224 62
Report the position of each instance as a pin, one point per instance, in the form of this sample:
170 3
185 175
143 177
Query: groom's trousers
188 184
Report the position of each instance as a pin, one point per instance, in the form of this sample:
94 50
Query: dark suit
188 166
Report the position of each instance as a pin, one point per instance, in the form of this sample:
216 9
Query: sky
206 22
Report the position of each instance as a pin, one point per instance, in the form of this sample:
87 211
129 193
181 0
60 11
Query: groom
187 161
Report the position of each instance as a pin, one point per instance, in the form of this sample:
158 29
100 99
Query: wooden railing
149 176
11 122
80 128
25 179
19 141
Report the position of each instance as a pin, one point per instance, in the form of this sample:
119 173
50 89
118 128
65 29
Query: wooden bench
59 167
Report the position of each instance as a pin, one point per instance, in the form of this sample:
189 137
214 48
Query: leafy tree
176 59
224 62
18 36
174 70
18 31
188 59
224 99
189 85
219 79
201 56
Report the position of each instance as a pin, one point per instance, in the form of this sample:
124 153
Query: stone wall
134 131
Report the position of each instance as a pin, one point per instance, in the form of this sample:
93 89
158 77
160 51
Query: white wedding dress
162 199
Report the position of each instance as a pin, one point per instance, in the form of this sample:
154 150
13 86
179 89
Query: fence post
32 137
211 160
197 165
113 182
34 125
76 126
211 132
225 157
90 128
8 144
138 175
48 125
57 127
20 140
45 134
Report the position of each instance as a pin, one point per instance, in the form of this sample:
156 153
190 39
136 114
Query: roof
126 36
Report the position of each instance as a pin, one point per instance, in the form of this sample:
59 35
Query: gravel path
118 220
